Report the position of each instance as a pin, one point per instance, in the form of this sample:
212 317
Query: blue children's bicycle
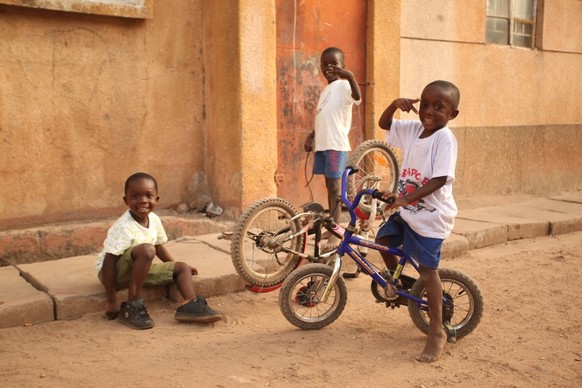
314 295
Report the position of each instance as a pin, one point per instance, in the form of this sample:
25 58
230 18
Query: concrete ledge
517 228
565 226
455 245
480 234
69 240
20 302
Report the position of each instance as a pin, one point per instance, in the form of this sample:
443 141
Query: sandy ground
530 336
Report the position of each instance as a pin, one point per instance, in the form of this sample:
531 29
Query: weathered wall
189 95
86 100
383 66
519 124
239 57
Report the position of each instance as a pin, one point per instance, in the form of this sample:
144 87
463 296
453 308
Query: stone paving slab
562 217
480 234
20 302
72 284
575 197
216 274
517 228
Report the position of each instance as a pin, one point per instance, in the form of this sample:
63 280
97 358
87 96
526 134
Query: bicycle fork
332 279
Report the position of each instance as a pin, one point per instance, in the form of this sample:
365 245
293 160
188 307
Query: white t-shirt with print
435 156
334 117
127 232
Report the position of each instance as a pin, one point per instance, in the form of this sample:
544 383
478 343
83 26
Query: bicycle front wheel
378 169
301 293
465 295
262 247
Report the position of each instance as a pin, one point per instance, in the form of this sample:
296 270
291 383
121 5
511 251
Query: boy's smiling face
141 197
436 108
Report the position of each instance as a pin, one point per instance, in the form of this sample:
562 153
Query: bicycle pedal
392 304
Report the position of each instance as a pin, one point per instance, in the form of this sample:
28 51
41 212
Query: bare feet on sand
434 346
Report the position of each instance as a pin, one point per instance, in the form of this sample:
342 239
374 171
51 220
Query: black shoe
197 311
135 315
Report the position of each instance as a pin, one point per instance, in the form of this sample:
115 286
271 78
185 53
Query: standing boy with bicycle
425 195
333 121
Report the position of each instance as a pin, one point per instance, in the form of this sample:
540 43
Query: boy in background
333 121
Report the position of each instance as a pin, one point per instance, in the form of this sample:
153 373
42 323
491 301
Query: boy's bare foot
434 346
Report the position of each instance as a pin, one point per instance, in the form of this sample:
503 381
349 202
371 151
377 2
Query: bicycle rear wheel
378 169
260 246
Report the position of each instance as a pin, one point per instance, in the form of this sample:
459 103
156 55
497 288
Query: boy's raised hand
340 71
406 104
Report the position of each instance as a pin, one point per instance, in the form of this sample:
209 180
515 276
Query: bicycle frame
349 239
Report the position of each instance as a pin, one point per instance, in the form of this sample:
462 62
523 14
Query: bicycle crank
387 294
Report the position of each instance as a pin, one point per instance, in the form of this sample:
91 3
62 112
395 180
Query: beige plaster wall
86 100
190 96
446 20
563 26
519 124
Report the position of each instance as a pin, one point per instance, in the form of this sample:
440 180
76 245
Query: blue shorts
426 250
330 163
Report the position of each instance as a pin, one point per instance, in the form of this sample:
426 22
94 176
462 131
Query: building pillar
241 103
382 62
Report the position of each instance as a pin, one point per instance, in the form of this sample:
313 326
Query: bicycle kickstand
451 332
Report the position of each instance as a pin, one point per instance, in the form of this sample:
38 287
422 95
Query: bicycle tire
298 302
374 158
256 255
467 299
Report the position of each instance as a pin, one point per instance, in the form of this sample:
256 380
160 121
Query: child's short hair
450 89
138 176
334 50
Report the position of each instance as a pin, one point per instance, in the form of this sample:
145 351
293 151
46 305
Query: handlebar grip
379 195
354 169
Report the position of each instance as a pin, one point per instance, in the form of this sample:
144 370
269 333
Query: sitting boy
126 261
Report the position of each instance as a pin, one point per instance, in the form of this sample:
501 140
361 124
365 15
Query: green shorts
159 274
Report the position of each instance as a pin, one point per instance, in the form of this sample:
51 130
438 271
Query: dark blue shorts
426 250
330 163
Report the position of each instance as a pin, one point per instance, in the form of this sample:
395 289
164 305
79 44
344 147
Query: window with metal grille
511 22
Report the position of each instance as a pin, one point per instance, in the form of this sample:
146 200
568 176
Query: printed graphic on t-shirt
323 101
408 187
